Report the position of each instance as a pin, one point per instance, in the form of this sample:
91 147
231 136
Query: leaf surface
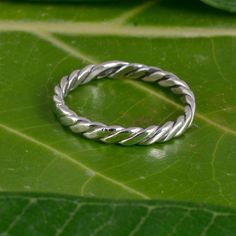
41 43
60 215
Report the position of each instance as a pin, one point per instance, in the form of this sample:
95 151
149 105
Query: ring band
119 134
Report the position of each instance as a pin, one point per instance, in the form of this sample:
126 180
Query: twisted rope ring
119 134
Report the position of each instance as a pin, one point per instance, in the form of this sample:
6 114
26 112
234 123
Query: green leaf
229 5
60 215
41 43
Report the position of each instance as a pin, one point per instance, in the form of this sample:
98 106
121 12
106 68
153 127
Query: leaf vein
19 216
121 19
68 158
68 220
214 178
141 222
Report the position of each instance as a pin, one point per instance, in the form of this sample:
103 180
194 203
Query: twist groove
119 134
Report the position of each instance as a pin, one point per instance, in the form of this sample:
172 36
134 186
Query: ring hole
126 103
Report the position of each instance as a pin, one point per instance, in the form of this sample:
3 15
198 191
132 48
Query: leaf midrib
88 28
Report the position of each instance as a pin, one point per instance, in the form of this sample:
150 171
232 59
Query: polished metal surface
116 133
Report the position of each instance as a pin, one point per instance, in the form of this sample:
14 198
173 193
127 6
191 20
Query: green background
40 43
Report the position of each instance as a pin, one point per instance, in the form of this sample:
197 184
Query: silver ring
115 133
